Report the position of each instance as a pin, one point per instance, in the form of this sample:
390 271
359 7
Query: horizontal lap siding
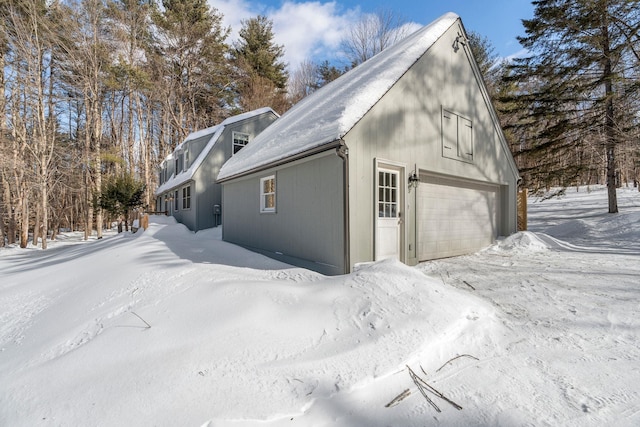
307 227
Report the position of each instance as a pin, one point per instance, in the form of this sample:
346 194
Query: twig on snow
457 357
398 398
442 278
419 383
442 396
465 282
423 387
145 322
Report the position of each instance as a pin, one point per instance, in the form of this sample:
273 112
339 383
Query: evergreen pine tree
328 73
259 53
262 74
121 194
189 57
575 83
487 60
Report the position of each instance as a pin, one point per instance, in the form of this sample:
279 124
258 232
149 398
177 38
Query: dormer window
162 173
239 141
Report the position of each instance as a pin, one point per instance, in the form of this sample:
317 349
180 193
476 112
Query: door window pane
388 194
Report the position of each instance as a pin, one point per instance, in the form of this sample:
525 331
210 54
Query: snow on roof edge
181 178
198 134
248 115
329 113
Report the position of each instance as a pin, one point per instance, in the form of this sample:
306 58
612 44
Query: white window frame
265 206
176 203
388 193
186 165
238 136
186 197
163 172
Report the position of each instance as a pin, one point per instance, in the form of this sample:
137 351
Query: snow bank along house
401 157
187 188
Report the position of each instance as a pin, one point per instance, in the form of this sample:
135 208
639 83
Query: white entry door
388 215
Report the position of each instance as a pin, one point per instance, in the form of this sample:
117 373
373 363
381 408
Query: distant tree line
95 92
92 90
571 106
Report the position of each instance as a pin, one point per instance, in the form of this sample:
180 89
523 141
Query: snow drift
168 327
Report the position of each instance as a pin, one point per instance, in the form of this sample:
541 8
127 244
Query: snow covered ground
167 327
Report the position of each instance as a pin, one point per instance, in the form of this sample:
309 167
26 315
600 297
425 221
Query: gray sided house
187 188
402 157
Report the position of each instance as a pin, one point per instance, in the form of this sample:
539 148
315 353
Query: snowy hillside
167 328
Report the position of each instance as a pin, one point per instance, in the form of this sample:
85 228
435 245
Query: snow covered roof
215 132
329 113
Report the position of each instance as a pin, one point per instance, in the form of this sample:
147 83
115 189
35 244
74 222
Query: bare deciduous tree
372 34
87 61
303 81
32 44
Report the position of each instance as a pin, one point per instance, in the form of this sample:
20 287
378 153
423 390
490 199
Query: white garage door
455 217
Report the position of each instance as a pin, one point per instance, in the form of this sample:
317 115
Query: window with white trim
239 141
457 136
268 194
162 172
388 194
175 200
186 197
186 159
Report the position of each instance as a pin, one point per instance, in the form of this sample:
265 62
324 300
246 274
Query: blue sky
313 29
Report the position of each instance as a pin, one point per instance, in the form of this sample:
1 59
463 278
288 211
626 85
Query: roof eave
289 159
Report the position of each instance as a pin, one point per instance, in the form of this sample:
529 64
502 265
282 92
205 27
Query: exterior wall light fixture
414 180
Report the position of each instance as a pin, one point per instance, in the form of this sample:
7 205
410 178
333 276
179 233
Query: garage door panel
455 217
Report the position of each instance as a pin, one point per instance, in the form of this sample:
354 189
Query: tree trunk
88 228
609 120
44 199
36 228
55 227
98 187
3 131
24 223
11 224
2 225
11 229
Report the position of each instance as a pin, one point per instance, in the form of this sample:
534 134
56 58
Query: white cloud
307 29
310 29
234 12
